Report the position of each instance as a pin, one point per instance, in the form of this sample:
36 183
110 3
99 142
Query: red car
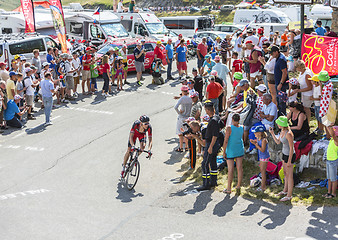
131 45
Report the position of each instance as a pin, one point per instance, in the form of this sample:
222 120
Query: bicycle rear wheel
132 175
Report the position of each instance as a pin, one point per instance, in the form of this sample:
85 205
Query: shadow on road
276 213
125 195
225 206
201 203
323 225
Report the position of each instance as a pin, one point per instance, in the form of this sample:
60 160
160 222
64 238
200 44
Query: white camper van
14 22
145 24
188 25
322 13
245 16
97 28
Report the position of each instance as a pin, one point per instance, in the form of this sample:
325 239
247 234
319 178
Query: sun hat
33 67
323 76
238 75
190 119
158 42
261 87
207 56
213 73
195 94
282 121
17 56
111 49
28 69
45 64
184 88
17 97
258 128
218 37
217 58
143 40
249 30
293 81
243 82
23 58
206 118
290 58
12 73
314 78
208 103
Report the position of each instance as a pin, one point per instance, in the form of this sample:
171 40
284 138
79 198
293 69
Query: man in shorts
181 58
202 50
86 60
30 84
139 54
76 64
69 71
138 131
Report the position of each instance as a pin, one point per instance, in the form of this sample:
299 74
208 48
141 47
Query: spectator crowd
251 90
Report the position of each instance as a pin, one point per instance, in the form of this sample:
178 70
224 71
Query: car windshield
157 28
106 48
114 30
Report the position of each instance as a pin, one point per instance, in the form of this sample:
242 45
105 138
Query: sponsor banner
28 13
320 53
60 27
296 25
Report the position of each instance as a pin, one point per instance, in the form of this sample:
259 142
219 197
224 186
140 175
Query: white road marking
26 148
19 194
173 236
89 110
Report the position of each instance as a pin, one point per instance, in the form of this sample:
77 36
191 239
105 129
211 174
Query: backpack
23 84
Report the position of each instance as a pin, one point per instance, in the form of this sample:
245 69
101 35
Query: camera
187 128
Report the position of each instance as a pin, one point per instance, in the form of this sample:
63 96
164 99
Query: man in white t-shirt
252 37
30 86
76 64
120 7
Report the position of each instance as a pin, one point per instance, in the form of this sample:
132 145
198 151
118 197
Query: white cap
261 87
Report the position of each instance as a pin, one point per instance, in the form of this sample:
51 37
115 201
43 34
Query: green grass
300 196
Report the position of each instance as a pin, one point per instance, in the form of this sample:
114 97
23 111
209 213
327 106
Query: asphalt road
62 181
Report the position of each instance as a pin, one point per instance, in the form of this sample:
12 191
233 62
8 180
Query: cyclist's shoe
122 174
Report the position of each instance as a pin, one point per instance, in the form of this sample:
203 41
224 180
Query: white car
210 34
229 29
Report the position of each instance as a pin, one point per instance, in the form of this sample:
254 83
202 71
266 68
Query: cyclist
138 130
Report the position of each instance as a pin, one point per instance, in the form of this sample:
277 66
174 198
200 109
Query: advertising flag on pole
320 53
59 23
28 13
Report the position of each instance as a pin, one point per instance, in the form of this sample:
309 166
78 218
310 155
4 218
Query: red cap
249 41
180 35
88 49
2 64
184 88
260 31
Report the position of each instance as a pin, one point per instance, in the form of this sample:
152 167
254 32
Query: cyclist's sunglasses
146 123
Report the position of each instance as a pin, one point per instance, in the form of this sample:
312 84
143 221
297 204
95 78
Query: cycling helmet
144 118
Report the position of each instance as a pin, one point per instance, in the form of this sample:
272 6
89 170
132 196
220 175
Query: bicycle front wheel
132 175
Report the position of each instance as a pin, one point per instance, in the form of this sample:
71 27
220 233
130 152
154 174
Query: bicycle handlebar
139 150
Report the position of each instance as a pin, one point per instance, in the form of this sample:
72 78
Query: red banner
59 23
28 13
320 53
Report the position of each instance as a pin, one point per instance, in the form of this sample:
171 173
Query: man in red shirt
86 60
202 50
214 90
158 52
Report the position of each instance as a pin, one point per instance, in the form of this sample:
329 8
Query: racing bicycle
132 171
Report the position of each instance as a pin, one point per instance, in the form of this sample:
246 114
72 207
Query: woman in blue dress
233 148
